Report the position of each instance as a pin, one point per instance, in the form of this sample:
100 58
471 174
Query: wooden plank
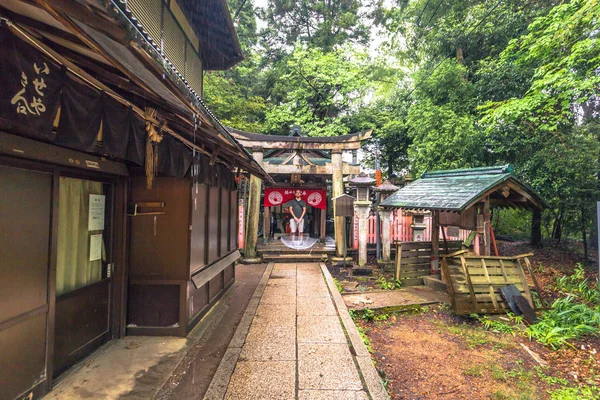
414 274
491 288
416 245
525 285
466 272
465 288
511 258
415 260
398 259
494 280
412 268
456 253
412 282
535 283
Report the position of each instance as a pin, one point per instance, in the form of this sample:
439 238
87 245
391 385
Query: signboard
314 197
96 212
453 231
95 247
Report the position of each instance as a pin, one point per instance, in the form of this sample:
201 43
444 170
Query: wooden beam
299 145
327 169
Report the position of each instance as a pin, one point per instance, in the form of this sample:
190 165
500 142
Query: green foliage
498 326
318 23
578 286
566 320
316 89
389 285
562 52
368 314
365 338
338 285
576 393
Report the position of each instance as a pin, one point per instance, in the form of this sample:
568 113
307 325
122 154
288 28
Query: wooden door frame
118 295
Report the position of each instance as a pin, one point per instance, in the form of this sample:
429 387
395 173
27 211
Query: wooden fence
401 229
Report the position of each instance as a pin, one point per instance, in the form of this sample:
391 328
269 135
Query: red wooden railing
401 229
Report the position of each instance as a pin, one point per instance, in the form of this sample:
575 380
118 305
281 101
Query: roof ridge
494 170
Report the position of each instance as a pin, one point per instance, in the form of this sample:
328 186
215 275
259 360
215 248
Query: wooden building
118 212
298 161
463 198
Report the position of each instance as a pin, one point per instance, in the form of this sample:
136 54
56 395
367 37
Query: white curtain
74 268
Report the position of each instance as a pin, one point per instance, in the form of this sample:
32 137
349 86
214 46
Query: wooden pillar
322 216
337 189
486 227
250 254
266 224
386 218
536 227
435 241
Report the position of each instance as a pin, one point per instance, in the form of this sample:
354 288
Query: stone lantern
362 206
385 190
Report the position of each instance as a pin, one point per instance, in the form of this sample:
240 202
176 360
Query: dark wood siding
224 223
233 222
213 224
25 212
198 235
161 249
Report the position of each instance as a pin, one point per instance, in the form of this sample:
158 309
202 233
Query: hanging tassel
153 137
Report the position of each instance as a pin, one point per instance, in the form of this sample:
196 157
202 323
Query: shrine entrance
315 165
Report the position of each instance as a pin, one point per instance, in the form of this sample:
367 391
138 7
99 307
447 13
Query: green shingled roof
455 190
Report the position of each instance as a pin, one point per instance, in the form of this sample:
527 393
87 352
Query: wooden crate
474 282
413 260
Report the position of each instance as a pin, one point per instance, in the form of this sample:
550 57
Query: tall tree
323 24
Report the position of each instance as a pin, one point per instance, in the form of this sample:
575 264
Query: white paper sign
96 214
95 247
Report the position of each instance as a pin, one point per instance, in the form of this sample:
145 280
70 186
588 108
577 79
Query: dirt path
434 355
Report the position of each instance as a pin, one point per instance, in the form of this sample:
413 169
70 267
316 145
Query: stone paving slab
315 306
405 297
332 395
253 380
301 343
327 366
320 329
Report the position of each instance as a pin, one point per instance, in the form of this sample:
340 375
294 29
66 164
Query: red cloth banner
313 197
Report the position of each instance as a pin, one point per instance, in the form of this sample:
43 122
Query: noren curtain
74 269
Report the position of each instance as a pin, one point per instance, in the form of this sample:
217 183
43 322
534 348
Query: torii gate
286 159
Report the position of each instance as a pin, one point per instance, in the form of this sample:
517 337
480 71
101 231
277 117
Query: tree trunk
557 228
584 234
536 228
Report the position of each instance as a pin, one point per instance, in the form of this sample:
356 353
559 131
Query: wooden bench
474 282
413 260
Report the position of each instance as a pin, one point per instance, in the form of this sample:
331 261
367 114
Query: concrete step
435 283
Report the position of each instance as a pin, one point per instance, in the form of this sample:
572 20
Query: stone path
296 341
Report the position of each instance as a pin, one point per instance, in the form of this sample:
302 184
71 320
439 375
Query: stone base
254 260
435 283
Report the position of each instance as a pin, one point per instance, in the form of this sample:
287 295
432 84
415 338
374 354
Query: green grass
474 370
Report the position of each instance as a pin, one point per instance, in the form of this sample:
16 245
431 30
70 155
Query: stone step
293 257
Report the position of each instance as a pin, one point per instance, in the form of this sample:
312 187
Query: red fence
401 229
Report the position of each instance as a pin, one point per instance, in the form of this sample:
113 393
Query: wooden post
486 227
322 214
337 189
435 241
250 254
536 227
386 217
266 224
